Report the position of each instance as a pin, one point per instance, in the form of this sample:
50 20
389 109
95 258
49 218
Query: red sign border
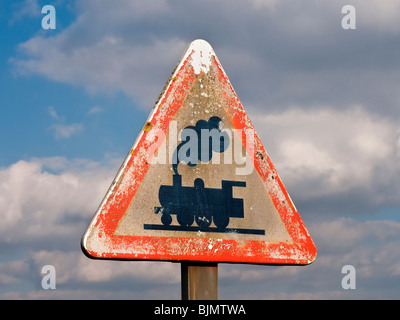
301 251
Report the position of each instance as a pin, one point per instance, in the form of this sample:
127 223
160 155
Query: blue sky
324 100
43 118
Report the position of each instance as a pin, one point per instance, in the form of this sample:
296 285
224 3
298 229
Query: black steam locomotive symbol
200 204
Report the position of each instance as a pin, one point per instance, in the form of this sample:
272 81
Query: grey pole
199 281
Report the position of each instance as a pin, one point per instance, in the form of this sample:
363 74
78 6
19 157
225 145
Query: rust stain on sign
147 126
226 208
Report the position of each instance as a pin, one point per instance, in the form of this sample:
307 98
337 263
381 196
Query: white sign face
198 184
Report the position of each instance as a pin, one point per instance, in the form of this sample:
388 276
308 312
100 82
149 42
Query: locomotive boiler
199 204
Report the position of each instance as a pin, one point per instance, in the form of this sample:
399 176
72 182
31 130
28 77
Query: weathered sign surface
197 184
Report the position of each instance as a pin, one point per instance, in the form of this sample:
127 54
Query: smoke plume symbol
199 142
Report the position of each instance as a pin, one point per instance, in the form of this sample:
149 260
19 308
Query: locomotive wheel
203 221
221 221
166 219
185 220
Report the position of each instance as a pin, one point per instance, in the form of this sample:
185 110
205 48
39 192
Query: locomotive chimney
177 180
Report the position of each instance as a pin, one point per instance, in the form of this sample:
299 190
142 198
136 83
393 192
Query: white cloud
108 65
60 129
327 151
344 234
36 204
379 15
74 267
122 10
63 131
370 14
94 110
12 272
24 9
268 4
284 49
53 113
45 204
370 246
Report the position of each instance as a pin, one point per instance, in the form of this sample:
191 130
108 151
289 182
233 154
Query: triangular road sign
197 184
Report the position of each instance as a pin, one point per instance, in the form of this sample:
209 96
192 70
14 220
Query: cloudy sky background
324 100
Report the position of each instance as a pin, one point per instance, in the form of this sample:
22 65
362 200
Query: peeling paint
201 56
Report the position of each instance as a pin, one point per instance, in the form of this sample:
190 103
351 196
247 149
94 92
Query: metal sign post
199 281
